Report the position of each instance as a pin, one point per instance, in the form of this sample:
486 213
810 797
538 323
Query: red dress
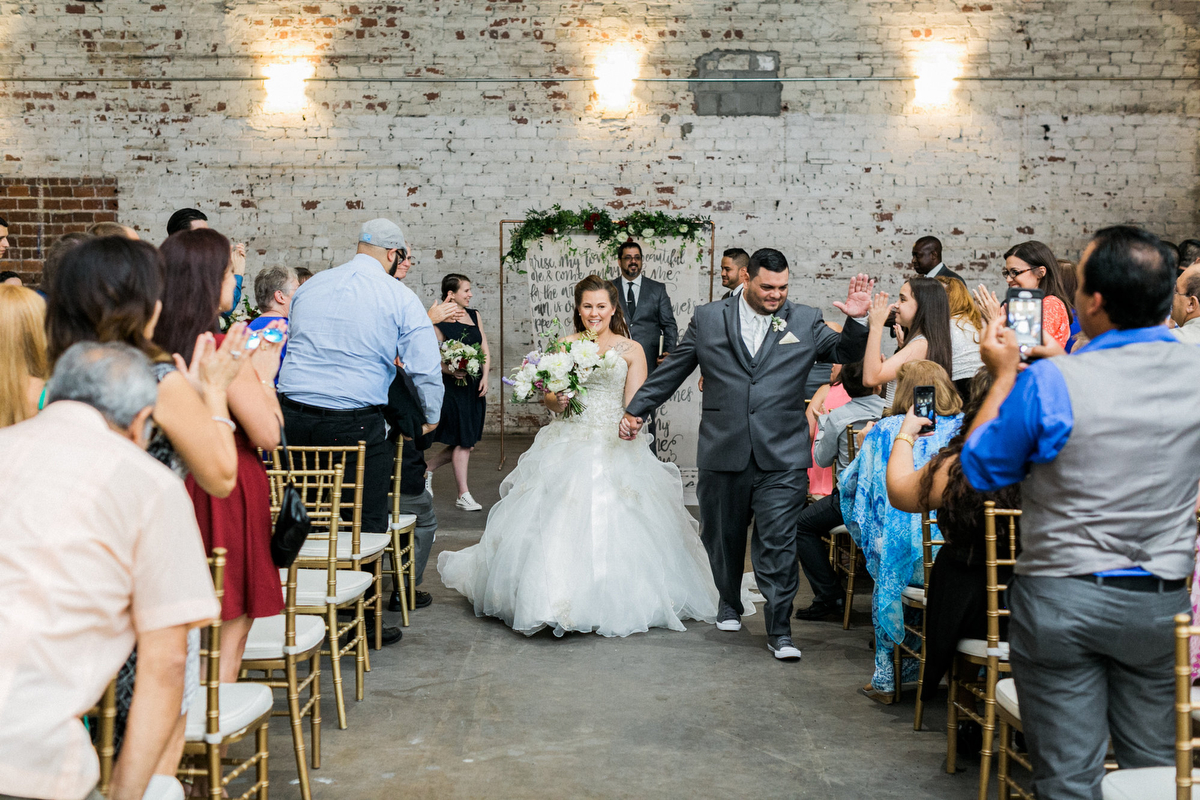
241 523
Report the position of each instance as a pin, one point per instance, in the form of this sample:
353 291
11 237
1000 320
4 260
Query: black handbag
292 525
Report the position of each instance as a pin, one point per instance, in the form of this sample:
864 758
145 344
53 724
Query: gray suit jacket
737 387
652 318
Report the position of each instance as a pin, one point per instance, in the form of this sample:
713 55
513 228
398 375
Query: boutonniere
777 324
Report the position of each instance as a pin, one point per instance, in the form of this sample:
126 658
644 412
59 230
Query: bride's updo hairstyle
594 283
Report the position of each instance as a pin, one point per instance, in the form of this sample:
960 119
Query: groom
755 350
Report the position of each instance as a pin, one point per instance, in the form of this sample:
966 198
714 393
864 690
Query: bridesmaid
463 408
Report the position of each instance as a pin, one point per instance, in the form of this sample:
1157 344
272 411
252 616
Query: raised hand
446 310
218 367
629 427
987 303
878 311
858 298
237 255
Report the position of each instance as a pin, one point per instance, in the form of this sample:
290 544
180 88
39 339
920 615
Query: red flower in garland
590 224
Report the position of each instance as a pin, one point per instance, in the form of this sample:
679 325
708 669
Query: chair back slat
927 545
322 459
1185 743
993 563
211 648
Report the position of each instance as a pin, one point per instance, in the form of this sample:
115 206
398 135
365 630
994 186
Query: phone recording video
924 404
1025 317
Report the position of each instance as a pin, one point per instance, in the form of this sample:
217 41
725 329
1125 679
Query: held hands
879 310
629 427
858 298
914 425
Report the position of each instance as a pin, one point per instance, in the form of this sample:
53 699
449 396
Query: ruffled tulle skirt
590 535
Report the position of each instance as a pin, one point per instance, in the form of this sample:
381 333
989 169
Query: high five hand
858 299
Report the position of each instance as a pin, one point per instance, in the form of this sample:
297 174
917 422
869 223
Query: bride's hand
555 402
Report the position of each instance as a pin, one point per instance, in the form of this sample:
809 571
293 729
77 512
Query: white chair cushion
1196 703
840 529
1147 783
241 704
403 521
163 787
312 583
267 635
1006 696
978 648
912 594
368 545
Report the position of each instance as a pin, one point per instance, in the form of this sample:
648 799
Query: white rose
683 228
647 231
556 365
472 367
522 390
557 384
526 374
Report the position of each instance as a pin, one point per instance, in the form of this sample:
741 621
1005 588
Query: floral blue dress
889 539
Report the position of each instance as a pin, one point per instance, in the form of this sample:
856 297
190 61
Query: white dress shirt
938 270
754 325
637 288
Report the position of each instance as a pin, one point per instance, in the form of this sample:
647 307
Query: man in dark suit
733 261
755 350
647 309
927 260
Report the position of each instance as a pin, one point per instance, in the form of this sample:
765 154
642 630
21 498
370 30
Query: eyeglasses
631 258
1012 273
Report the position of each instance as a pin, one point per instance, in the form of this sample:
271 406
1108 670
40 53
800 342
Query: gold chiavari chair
322 587
1008 716
915 597
104 718
990 655
278 645
361 549
402 556
844 555
1181 781
223 714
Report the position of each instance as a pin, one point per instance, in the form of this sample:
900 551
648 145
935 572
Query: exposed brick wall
844 180
39 210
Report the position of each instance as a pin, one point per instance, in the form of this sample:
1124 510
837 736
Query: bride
590 533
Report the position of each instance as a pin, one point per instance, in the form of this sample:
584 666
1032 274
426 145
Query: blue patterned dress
889 539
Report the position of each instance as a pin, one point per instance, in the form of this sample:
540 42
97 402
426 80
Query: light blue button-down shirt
345 329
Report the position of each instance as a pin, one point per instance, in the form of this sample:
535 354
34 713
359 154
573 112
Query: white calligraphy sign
552 272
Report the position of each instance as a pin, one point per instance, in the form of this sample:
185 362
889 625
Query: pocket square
789 338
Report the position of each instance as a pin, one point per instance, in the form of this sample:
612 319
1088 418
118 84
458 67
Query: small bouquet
563 367
462 356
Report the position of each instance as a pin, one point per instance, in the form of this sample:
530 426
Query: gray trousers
1089 662
421 505
775 498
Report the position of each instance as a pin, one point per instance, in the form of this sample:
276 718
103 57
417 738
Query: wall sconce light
938 66
285 85
615 72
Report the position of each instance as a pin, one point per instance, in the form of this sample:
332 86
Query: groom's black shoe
783 648
821 609
727 618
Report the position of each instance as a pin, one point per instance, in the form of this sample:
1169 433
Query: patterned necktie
630 303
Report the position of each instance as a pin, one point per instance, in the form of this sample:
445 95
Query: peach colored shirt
98 541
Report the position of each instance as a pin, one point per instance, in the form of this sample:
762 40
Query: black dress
463 409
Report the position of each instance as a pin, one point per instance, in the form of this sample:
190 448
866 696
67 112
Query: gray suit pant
775 498
1092 661
426 530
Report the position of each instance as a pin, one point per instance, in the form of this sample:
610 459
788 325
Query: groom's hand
858 299
629 427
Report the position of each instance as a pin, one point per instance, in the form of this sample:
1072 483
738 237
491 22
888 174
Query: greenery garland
647 226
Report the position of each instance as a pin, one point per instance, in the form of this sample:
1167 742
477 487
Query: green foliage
644 226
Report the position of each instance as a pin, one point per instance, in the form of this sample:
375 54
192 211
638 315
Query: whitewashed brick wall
844 180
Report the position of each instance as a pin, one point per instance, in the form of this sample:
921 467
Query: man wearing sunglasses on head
348 326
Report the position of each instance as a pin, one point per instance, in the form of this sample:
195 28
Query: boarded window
751 99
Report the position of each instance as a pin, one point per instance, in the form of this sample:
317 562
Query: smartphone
924 405
1025 317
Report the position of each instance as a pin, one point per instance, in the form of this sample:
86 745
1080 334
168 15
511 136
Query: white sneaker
727 618
429 483
783 648
467 503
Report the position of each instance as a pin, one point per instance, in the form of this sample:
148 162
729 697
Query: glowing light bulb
285 85
615 71
938 66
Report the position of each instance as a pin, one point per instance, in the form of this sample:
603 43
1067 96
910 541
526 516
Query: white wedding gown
590 533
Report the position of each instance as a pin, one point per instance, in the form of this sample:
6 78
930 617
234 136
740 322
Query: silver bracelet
227 421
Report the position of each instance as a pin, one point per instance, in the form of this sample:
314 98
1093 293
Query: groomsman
647 310
733 261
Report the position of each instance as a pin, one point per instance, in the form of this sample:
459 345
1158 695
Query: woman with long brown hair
923 332
1032 265
23 366
590 533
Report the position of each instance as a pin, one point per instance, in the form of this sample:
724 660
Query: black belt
365 411
1134 583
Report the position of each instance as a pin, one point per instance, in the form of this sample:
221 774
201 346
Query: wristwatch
905 437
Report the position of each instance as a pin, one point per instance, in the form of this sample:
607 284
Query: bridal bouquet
462 356
563 367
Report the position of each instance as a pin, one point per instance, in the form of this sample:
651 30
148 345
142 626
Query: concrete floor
465 708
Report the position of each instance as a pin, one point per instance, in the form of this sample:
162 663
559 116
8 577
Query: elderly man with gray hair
273 290
102 553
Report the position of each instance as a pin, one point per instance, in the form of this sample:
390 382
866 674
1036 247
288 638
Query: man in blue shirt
347 327
1104 443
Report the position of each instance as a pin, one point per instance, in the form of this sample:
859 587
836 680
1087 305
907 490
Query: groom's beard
755 302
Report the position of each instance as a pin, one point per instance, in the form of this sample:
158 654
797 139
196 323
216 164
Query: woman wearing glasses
1031 265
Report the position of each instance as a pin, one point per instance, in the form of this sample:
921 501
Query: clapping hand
214 367
629 427
987 302
858 298
237 256
446 310
879 309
